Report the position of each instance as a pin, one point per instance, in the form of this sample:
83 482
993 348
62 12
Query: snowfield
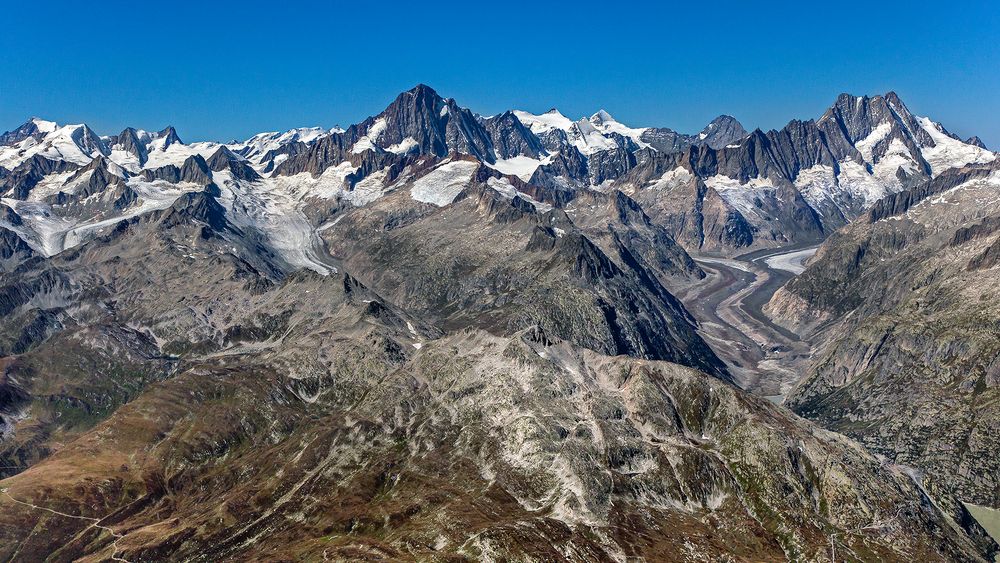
951 153
589 136
507 190
442 185
521 166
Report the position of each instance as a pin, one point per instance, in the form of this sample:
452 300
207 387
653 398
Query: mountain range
723 190
435 335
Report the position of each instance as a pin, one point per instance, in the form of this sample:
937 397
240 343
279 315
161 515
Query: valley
767 358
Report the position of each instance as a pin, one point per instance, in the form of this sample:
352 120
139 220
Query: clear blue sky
221 70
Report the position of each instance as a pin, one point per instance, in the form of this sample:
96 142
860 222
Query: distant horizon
225 71
749 127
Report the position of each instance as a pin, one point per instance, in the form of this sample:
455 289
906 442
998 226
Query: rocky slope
494 260
903 305
400 460
305 417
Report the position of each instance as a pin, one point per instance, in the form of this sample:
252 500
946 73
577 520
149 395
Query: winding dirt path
94 523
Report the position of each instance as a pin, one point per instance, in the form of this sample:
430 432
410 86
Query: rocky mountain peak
225 159
128 140
221 158
892 98
601 117
421 99
976 141
168 136
88 141
421 90
722 131
33 127
858 116
420 117
512 138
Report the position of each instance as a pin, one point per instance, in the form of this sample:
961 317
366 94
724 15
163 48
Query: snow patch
867 145
407 145
855 180
176 153
741 196
443 184
328 185
521 166
367 190
545 123
369 142
507 190
896 156
948 152
672 179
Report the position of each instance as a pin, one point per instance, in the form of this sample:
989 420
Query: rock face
723 130
225 160
13 249
908 348
511 138
193 170
129 142
34 129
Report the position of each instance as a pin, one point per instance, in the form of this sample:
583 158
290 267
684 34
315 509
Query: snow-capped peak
606 124
588 135
601 117
44 126
263 142
167 137
75 143
546 122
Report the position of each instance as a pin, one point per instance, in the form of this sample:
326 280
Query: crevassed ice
740 196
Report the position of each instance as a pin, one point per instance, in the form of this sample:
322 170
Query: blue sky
220 70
